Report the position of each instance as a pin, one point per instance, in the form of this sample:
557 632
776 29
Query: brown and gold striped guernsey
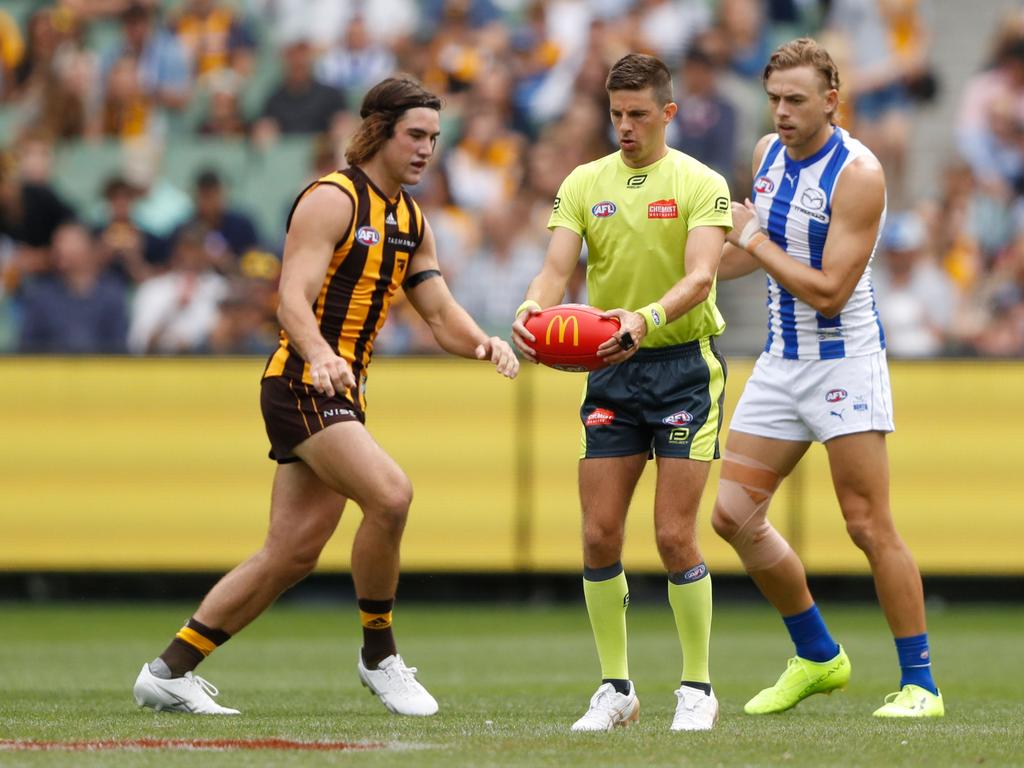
368 266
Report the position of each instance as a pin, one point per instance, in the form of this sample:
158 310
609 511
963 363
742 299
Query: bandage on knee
745 489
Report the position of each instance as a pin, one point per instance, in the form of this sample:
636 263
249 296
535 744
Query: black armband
413 280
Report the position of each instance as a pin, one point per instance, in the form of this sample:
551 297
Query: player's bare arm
702 256
857 206
451 325
736 261
548 287
321 219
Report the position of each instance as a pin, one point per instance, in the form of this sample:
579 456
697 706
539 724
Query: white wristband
752 228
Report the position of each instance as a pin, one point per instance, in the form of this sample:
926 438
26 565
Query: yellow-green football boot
801 679
912 701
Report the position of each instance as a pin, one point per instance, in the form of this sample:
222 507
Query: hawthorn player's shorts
665 400
293 411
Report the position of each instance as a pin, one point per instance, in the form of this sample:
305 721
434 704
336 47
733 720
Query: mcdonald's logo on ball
568 336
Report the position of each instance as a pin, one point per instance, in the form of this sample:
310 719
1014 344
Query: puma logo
791 178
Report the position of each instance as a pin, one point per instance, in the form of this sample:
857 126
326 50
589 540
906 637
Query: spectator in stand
496 278
300 104
145 72
55 79
229 233
667 27
161 206
705 124
223 117
214 38
78 309
30 212
356 62
484 168
876 75
129 252
174 313
917 300
242 326
993 324
12 48
989 127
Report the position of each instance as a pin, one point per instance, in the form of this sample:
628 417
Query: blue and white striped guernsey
794 204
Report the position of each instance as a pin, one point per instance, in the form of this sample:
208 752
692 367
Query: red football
568 336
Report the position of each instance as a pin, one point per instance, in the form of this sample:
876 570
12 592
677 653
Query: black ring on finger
626 341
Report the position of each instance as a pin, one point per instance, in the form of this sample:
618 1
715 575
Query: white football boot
695 710
395 684
609 708
190 694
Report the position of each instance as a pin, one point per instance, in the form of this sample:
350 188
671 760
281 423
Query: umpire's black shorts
666 401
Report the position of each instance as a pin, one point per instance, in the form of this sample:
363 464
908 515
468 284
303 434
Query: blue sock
810 635
915 662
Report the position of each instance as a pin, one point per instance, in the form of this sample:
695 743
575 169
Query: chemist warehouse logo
663 209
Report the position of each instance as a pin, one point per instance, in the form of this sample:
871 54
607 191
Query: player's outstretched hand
624 342
522 338
330 374
500 353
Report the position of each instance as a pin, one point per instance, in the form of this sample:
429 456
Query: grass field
510 680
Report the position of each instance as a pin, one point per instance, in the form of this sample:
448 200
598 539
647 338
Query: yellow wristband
528 304
654 316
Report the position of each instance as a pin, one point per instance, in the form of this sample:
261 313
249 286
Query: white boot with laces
608 709
190 693
395 684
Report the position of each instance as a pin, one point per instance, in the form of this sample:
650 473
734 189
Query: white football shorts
808 400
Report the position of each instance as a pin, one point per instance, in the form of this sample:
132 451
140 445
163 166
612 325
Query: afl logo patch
368 236
678 418
835 395
764 185
604 209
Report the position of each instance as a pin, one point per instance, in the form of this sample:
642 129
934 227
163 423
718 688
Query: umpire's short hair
636 71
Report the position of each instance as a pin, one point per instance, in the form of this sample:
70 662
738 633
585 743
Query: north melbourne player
354 238
654 221
818 206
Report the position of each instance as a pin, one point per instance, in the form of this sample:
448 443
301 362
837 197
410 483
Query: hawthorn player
654 221
354 237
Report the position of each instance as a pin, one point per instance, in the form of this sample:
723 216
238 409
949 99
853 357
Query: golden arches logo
563 323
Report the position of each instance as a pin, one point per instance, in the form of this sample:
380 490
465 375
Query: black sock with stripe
378 640
193 643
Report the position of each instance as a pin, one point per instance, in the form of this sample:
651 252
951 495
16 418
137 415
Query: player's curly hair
804 52
636 71
382 107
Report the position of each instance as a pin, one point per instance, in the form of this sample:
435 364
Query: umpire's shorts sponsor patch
666 401
293 411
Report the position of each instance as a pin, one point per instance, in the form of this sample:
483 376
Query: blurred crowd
155 267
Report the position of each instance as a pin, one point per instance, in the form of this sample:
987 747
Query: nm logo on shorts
599 417
678 418
604 209
368 236
835 395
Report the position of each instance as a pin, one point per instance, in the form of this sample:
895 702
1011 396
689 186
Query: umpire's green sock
607 597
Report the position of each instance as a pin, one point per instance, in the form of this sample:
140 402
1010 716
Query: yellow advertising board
160 464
